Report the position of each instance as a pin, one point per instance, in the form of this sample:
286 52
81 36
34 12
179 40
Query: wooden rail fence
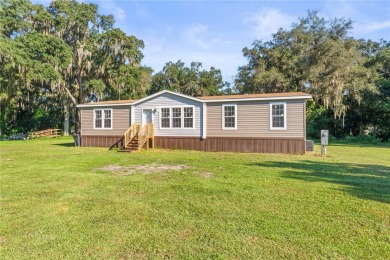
45 133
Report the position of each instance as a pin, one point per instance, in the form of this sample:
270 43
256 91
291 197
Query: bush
362 139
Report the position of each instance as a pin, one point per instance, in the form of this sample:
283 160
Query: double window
102 118
278 116
229 117
177 117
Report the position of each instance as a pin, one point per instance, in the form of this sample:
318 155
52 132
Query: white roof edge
103 105
194 98
166 91
257 98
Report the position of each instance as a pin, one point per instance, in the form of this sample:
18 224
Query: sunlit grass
57 202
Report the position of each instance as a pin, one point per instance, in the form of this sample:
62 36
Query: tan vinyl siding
253 120
120 121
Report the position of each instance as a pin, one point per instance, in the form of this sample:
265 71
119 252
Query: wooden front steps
130 147
137 137
127 150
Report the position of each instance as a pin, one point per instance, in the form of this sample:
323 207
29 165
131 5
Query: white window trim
193 117
170 118
235 117
182 118
284 112
142 115
94 119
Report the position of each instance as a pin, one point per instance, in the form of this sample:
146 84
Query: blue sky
215 32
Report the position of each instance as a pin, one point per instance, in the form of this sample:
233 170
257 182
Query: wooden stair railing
143 137
150 131
135 138
130 133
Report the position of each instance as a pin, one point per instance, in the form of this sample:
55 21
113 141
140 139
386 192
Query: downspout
304 121
204 121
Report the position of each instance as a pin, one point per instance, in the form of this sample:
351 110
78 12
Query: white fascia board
257 99
195 99
166 91
102 105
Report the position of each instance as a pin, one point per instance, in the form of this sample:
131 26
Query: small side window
229 117
278 116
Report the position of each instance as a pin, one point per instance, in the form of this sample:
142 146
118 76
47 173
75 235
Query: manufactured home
264 123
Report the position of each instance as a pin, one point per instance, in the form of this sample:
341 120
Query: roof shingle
266 95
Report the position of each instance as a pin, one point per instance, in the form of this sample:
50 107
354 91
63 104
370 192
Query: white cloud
200 36
109 7
341 9
267 21
375 26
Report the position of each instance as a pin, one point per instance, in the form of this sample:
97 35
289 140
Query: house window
165 117
103 118
278 116
229 117
188 117
176 117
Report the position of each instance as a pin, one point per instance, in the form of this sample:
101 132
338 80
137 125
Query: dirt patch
141 169
204 174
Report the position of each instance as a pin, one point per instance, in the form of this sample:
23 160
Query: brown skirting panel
100 141
229 144
212 144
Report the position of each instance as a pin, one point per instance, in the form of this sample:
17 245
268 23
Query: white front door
147 116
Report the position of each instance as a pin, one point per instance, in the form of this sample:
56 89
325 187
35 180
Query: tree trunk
66 117
77 117
80 101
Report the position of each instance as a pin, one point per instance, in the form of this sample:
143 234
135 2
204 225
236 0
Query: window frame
160 117
102 119
271 127
181 117
235 116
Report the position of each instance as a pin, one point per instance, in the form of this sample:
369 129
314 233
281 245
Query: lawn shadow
365 181
71 144
379 146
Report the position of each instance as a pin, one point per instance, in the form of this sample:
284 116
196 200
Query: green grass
55 203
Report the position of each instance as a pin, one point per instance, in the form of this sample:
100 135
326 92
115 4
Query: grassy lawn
59 201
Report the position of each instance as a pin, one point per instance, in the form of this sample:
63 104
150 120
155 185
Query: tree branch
72 98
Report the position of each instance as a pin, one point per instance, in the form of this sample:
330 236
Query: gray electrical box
309 145
324 137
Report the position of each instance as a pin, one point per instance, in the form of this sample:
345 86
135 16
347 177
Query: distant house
264 123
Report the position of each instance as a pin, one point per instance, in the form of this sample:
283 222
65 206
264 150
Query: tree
29 64
315 56
373 112
188 80
66 52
